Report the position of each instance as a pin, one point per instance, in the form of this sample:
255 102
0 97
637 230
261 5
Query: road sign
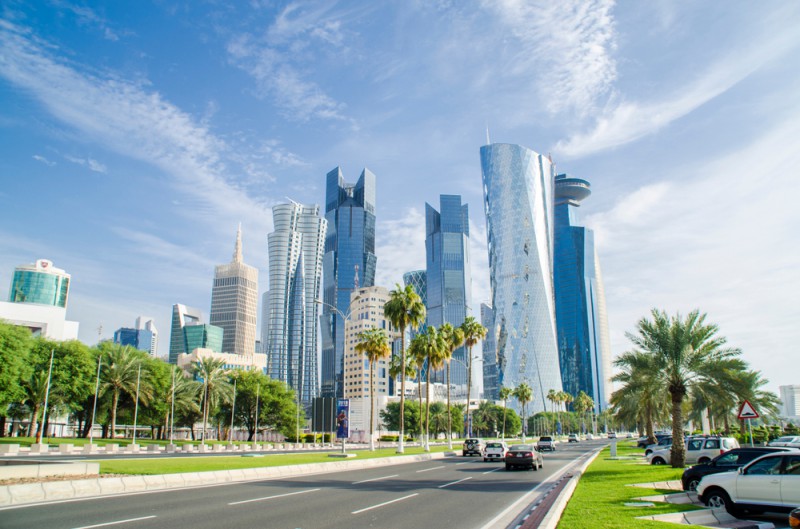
747 411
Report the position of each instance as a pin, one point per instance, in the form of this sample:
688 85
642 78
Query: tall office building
790 401
518 199
295 278
419 282
234 303
448 274
148 324
140 339
182 316
203 336
40 283
584 347
491 388
349 263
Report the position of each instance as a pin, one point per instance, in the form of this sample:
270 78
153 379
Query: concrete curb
553 516
27 493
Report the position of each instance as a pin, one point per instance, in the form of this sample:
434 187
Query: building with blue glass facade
349 263
40 283
518 200
584 349
448 274
290 327
491 388
182 316
203 336
141 339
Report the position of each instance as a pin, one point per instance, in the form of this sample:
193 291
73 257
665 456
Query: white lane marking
493 470
115 523
464 463
427 469
453 482
272 497
375 479
384 503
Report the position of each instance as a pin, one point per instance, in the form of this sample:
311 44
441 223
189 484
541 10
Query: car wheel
703 460
535 467
692 485
658 461
508 467
717 498
485 460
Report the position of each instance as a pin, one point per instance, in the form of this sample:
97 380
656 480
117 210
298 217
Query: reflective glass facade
40 283
137 338
583 342
181 317
203 336
449 279
518 198
295 280
349 263
490 384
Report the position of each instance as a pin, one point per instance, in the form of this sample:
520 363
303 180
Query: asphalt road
454 492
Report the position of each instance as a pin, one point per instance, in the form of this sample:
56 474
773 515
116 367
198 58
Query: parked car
473 447
589 437
769 483
786 440
664 442
727 462
495 450
612 435
794 518
546 443
643 442
698 450
573 438
525 456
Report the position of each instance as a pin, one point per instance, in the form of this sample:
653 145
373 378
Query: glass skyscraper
203 336
140 339
40 283
584 348
449 279
295 277
518 199
491 388
349 263
181 317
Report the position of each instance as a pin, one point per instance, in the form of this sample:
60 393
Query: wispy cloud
91 163
400 246
43 160
89 17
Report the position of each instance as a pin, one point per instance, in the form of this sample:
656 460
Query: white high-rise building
149 324
234 303
790 399
295 278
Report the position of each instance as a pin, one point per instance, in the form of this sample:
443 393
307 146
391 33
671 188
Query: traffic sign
747 411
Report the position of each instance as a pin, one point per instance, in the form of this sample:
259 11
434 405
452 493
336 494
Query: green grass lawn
600 496
53 442
169 465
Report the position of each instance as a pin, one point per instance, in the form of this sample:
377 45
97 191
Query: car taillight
527 454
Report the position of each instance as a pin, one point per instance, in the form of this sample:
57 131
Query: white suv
698 450
770 483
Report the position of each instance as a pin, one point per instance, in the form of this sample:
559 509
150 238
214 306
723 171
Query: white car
769 483
787 440
699 450
495 451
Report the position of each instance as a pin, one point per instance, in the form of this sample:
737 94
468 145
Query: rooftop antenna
488 141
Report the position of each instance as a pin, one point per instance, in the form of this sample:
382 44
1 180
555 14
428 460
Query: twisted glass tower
295 277
584 348
349 263
518 198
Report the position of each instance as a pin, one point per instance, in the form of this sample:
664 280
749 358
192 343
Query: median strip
115 523
375 479
453 482
273 497
385 503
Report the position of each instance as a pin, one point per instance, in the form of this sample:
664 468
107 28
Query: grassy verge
168 465
600 497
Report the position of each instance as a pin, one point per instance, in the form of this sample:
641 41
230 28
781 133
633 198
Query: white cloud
400 247
44 160
91 163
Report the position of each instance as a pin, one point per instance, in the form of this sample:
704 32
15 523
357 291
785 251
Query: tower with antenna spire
234 302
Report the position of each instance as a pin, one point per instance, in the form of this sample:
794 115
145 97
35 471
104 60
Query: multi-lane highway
452 492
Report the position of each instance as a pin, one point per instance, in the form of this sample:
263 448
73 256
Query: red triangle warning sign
747 411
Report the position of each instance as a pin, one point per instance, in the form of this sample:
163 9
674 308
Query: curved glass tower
40 283
584 347
518 197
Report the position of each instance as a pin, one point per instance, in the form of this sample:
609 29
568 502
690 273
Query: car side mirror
740 470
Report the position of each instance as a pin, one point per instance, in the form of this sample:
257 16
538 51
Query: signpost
342 420
747 411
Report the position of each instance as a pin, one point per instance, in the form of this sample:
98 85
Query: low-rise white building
48 321
790 399
231 361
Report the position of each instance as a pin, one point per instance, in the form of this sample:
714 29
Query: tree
433 345
504 393
373 344
685 352
404 309
485 417
119 376
453 338
15 345
552 396
473 333
524 395
391 417
215 386
583 403
642 397
418 358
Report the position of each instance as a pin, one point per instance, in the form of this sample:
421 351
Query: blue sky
135 136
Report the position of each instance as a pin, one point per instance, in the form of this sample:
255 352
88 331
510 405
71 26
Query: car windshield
520 447
545 438
494 445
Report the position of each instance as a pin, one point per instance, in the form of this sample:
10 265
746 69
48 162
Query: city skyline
145 132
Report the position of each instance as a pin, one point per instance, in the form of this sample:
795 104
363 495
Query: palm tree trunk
205 416
400 441
678 454
524 425
371 406
34 420
449 416
427 406
504 418
114 404
651 436
419 398
469 385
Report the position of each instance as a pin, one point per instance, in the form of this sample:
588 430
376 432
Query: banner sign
342 418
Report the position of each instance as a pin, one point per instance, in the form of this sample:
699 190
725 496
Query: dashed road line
384 503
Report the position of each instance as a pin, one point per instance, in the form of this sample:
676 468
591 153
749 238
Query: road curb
32 493
553 516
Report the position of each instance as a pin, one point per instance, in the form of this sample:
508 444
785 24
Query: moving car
472 447
612 435
786 440
769 483
525 456
573 438
546 443
698 450
727 462
495 450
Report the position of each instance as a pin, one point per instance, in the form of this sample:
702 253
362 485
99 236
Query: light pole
47 396
172 408
96 389
136 410
233 409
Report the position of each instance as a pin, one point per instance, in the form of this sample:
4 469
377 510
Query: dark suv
472 447
729 461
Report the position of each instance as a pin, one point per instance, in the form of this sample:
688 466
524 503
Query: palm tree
374 344
485 416
185 393
642 397
404 309
35 388
417 358
583 403
436 348
504 393
119 376
524 395
453 338
552 396
215 386
473 333
685 353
